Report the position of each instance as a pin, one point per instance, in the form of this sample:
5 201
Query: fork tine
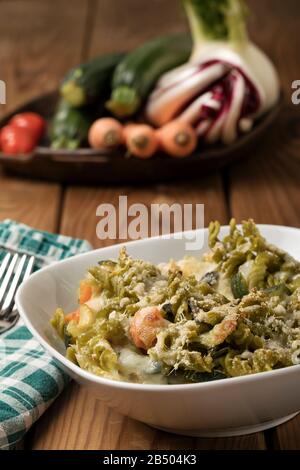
28 271
8 277
9 315
9 299
29 268
4 264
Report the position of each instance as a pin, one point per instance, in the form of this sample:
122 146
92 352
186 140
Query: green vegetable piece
219 352
71 354
70 126
124 101
204 376
169 314
138 72
239 286
222 20
58 322
88 82
279 290
73 93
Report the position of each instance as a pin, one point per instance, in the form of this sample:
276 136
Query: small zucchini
70 126
278 290
239 286
88 82
138 72
193 376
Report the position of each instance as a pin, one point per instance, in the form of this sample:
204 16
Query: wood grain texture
35 204
31 33
267 187
118 24
79 421
79 214
39 42
286 436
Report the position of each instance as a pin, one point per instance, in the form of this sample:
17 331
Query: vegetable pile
226 84
169 94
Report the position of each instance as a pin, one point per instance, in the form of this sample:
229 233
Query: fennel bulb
228 81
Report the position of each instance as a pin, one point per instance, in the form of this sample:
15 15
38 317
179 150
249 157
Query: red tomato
15 140
32 122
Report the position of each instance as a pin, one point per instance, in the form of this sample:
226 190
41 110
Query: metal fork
14 270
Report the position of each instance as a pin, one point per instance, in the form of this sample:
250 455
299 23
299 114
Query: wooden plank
287 436
125 25
32 203
266 187
31 33
39 42
78 421
83 202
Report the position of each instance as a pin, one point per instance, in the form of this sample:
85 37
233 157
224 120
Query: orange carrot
141 140
72 316
177 138
85 292
105 133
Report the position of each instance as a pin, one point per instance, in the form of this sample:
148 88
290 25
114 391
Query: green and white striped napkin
29 378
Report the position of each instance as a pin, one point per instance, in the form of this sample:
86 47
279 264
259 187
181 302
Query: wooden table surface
39 41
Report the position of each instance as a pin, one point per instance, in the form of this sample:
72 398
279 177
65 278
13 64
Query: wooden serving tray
91 166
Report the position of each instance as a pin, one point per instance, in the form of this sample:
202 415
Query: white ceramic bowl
222 408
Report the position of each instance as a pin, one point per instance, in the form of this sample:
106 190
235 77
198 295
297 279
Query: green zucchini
194 376
70 126
67 337
88 82
239 286
138 72
168 311
278 290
